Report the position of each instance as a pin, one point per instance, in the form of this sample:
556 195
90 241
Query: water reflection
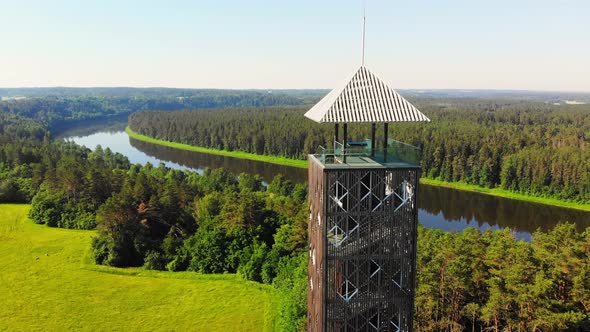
196 160
89 127
440 208
461 209
119 142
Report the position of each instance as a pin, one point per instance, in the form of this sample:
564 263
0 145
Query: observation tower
363 212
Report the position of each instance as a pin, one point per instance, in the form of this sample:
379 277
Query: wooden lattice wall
362 231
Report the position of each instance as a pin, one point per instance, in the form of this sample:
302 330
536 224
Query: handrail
322 153
396 151
391 140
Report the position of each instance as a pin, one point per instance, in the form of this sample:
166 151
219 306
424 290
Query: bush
291 283
252 261
154 260
207 251
10 192
85 220
47 208
101 249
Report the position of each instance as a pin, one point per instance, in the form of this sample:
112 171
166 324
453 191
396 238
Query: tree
119 224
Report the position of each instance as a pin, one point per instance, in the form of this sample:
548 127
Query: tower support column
344 140
373 129
385 139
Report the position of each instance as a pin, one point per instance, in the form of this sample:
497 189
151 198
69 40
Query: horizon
285 89
533 46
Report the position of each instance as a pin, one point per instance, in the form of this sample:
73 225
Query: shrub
154 260
101 248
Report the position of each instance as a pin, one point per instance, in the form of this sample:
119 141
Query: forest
219 222
61 108
527 147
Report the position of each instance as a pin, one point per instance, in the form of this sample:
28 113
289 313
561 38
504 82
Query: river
440 208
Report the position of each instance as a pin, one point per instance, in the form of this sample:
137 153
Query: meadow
48 282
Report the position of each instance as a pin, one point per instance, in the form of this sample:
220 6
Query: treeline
278 131
65 182
527 147
14 128
491 282
69 107
174 220
310 94
16 93
19 140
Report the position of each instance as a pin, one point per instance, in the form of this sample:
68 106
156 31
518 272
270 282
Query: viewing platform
361 155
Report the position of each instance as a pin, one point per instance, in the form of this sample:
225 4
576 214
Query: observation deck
360 155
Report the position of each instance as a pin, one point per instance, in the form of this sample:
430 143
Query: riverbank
303 164
505 194
234 154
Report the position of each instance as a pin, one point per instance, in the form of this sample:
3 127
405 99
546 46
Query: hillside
46 286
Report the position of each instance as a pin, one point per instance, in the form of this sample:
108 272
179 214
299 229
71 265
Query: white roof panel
363 97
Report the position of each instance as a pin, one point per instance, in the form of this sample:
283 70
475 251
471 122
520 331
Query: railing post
345 128
373 128
385 134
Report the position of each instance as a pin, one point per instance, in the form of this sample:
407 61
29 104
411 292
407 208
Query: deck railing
396 152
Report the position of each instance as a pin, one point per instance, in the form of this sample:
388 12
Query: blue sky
419 44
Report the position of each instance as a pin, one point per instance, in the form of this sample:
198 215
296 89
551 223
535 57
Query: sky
303 44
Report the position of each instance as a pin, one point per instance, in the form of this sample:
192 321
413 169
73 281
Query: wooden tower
363 213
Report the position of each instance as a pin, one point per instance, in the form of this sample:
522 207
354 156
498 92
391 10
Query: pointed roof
364 98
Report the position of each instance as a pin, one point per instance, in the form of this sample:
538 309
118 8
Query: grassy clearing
506 194
46 284
235 154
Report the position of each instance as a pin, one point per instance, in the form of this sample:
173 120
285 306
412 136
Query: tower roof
364 98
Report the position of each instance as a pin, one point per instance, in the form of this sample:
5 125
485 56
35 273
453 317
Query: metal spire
364 23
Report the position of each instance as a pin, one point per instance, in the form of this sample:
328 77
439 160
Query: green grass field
48 283
235 154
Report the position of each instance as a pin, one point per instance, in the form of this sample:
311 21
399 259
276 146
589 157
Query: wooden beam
344 139
373 129
385 134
